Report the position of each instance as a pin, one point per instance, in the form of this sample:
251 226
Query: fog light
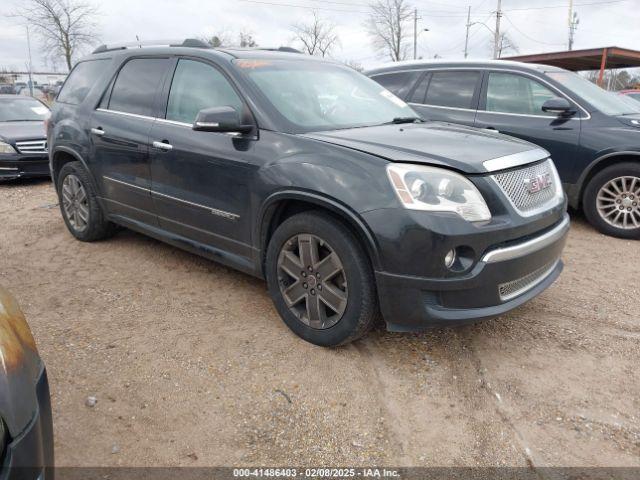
450 258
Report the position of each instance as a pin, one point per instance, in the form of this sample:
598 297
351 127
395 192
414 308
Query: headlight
437 190
6 148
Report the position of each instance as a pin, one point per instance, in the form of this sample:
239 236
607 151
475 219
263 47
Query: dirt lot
191 365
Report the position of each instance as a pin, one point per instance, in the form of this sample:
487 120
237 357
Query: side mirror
559 106
220 119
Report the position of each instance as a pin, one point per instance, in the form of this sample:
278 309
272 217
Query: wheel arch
62 155
600 164
282 205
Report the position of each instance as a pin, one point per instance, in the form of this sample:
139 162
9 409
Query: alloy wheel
75 202
618 202
312 281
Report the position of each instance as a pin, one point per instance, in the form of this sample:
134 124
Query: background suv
593 135
311 175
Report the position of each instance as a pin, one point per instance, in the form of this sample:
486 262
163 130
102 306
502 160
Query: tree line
66 28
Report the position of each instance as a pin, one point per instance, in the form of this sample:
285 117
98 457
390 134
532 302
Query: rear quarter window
81 79
398 83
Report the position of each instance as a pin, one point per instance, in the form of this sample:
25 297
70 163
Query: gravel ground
191 365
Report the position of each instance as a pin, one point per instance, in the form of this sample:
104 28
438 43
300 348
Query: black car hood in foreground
433 143
17 131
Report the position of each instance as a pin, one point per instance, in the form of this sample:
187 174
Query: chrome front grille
32 146
517 287
516 186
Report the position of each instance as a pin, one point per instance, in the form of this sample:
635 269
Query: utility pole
30 64
573 24
466 38
415 33
496 45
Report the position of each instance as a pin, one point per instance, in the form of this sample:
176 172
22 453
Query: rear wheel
320 280
612 200
80 208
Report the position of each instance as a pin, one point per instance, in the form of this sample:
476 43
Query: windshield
323 96
606 102
21 109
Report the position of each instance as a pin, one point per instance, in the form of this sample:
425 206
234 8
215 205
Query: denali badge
538 183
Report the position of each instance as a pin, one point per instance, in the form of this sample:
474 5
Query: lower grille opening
514 288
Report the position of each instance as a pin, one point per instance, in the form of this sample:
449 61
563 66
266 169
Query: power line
527 36
307 7
605 2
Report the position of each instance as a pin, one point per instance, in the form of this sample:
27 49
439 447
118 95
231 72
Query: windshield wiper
399 120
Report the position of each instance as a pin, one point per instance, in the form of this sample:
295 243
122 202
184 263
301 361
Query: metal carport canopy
589 59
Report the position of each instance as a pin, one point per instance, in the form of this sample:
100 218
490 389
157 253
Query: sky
534 26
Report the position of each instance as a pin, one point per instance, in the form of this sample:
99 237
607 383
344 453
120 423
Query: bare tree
218 39
65 27
388 27
506 44
317 37
246 40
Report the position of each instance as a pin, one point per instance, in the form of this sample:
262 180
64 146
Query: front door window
509 93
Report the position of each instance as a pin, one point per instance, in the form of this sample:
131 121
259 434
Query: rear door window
453 89
421 90
83 76
398 83
136 86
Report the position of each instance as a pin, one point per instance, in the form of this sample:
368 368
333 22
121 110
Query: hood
18 131
434 143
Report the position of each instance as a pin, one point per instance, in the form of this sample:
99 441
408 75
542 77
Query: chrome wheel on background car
312 281
75 202
618 202
611 200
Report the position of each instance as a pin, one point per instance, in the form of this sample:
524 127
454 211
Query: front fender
339 186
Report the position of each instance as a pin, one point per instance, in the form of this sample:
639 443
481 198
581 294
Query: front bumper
30 455
21 166
506 277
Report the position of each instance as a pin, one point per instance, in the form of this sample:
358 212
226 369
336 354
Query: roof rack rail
189 43
281 49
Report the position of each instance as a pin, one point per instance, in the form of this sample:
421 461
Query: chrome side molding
213 211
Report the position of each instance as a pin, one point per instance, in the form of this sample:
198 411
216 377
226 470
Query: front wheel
320 280
612 201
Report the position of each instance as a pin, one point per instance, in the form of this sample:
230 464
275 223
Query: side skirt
243 264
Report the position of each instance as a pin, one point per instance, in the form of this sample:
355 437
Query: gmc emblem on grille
538 183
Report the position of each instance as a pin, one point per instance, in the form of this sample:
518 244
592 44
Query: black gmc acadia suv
311 175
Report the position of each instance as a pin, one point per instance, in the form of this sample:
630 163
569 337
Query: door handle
97 131
162 146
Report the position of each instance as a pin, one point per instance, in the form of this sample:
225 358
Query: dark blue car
593 135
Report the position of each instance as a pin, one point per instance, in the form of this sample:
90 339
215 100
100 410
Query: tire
625 193
352 291
85 218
